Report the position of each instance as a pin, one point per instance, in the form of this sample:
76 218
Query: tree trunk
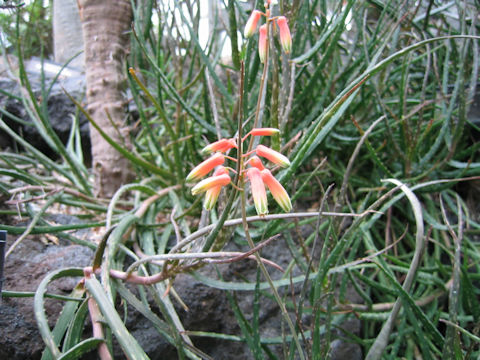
105 27
67 33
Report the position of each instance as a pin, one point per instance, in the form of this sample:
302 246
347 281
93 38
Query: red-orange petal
252 22
272 155
258 191
264 132
211 195
285 36
277 190
211 182
262 43
256 162
221 145
205 167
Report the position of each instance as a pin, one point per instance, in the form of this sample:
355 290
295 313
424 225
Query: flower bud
211 195
285 37
211 182
272 155
277 190
205 167
262 42
221 145
256 162
264 132
258 191
252 22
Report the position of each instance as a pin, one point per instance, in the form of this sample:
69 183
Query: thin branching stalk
265 273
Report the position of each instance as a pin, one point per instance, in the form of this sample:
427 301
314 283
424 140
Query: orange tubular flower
258 191
262 43
221 145
210 183
272 155
252 22
264 132
211 196
278 191
256 162
205 167
285 37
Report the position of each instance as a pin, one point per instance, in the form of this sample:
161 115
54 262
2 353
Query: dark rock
341 350
61 110
25 268
20 338
209 308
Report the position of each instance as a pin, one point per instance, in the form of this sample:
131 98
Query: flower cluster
256 173
280 21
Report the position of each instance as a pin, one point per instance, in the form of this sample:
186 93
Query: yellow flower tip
258 191
211 182
272 155
262 43
277 190
211 195
285 36
221 145
256 162
205 167
252 22
264 132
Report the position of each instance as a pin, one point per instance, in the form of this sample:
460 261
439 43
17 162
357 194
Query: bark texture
105 26
67 33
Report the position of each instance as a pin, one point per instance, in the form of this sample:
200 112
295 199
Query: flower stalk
249 166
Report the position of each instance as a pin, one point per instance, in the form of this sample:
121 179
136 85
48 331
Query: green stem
265 273
274 102
262 87
233 34
213 235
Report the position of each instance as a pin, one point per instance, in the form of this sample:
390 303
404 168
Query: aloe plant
371 103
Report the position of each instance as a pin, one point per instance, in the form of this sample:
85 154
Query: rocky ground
209 308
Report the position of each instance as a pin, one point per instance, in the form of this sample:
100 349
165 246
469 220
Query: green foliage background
373 90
